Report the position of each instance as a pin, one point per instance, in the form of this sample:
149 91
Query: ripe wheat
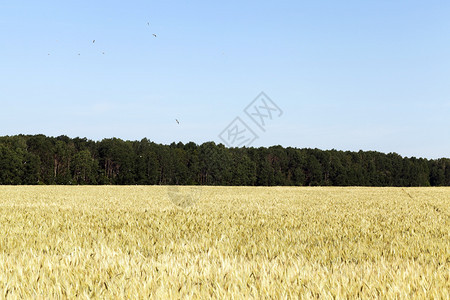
233 242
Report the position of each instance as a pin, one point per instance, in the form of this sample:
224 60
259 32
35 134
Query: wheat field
224 242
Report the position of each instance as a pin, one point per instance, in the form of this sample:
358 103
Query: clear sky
348 75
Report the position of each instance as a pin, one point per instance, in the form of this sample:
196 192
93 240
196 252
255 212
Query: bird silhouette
154 35
93 41
177 121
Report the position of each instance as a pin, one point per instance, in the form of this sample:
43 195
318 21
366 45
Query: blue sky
348 75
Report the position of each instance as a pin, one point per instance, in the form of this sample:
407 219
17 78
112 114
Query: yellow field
234 242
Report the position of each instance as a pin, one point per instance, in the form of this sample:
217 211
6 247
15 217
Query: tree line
38 159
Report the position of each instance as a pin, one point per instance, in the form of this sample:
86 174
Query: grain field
229 242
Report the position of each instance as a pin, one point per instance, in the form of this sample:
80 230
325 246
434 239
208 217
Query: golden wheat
234 242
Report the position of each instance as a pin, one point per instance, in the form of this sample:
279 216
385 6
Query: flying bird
93 41
178 122
148 23
154 35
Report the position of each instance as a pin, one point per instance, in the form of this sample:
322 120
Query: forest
38 159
